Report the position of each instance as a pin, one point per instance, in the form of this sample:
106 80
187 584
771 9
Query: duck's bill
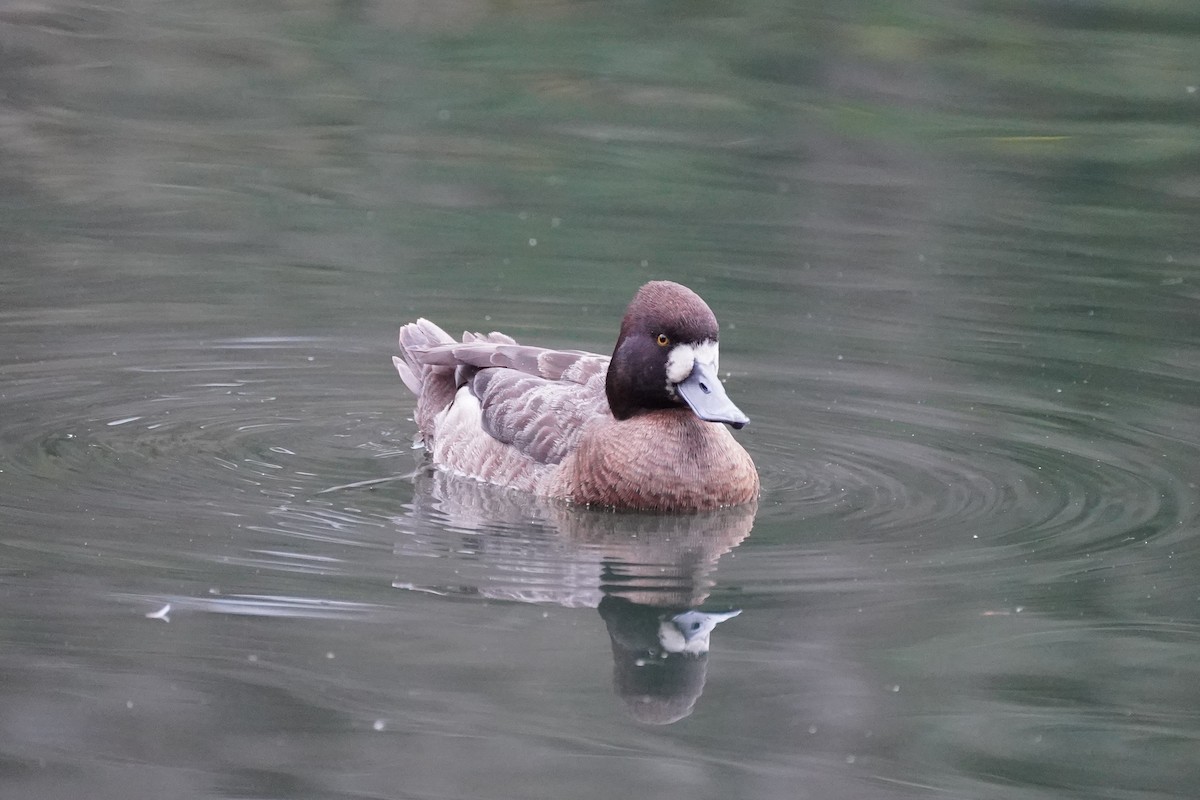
705 395
689 631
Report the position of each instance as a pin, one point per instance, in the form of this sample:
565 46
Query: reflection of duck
645 573
631 431
544 551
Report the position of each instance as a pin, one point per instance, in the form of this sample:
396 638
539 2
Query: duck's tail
416 338
435 376
433 385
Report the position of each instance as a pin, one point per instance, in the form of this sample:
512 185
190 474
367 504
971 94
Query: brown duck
639 430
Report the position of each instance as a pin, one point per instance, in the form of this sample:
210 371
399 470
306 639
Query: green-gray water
953 247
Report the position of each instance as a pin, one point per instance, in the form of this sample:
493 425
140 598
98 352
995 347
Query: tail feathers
415 338
433 385
407 375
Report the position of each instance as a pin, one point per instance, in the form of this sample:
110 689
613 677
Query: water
953 251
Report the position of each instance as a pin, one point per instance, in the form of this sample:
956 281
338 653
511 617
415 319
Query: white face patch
684 356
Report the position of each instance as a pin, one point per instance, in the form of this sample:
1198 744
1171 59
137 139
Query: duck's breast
662 460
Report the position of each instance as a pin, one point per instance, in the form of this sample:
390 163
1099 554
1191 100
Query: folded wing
534 399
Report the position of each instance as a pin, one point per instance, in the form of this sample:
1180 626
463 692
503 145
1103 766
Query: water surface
953 251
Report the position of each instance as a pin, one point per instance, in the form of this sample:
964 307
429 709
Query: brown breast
664 460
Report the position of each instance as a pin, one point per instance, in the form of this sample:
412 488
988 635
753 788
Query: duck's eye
663 340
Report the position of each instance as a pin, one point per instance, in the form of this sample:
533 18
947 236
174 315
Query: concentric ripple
181 409
259 434
1003 467
192 436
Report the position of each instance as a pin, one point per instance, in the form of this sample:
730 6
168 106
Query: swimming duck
639 430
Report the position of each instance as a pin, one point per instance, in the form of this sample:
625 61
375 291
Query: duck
647 428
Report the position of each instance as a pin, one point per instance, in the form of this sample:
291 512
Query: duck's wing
534 399
497 350
540 418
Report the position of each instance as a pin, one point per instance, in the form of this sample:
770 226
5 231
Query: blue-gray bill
705 395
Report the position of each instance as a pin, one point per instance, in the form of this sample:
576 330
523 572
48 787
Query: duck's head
667 357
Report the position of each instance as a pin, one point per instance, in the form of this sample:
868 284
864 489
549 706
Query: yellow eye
663 340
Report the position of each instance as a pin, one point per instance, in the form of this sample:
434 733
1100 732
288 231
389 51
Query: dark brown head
667 357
